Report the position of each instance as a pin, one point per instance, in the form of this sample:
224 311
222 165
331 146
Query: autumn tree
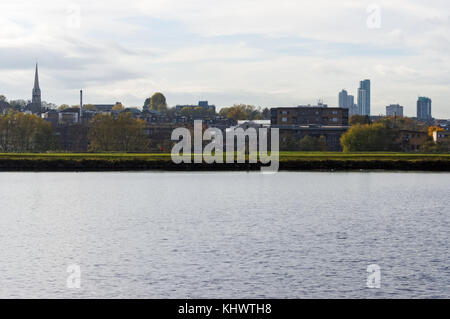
375 137
401 123
121 134
118 107
242 112
156 103
359 119
22 133
187 111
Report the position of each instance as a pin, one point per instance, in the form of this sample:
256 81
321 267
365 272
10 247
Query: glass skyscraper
347 101
424 109
364 98
343 99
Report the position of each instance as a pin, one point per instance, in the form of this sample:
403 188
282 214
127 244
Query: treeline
239 112
157 102
387 134
236 112
28 133
22 133
20 104
382 135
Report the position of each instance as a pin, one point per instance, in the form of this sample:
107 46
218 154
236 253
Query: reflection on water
224 235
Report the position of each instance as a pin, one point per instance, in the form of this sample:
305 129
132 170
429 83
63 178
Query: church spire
36 100
36 79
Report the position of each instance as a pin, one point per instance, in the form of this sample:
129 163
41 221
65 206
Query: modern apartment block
394 110
364 98
304 115
424 109
347 101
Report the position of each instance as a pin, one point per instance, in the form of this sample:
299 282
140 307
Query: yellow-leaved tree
121 134
22 133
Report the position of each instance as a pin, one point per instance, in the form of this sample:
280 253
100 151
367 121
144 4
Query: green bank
288 161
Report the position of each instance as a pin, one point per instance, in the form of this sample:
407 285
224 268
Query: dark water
224 235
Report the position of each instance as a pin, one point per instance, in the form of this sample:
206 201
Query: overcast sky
266 53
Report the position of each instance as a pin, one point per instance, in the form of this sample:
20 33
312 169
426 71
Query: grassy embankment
288 161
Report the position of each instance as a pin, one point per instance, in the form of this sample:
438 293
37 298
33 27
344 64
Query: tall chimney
81 104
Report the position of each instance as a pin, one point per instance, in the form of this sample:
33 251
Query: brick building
305 115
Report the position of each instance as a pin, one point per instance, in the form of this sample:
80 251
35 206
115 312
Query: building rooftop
71 110
309 127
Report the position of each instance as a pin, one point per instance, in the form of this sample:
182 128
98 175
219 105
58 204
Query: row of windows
334 119
309 112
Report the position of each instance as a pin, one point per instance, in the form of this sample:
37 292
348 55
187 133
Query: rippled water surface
224 235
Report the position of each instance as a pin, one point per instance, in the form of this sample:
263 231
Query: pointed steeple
36 96
36 79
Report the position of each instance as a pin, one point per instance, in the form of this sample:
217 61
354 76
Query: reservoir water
224 235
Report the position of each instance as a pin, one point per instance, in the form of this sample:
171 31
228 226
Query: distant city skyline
345 100
277 56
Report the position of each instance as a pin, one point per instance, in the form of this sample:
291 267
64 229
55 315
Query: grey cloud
24 58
